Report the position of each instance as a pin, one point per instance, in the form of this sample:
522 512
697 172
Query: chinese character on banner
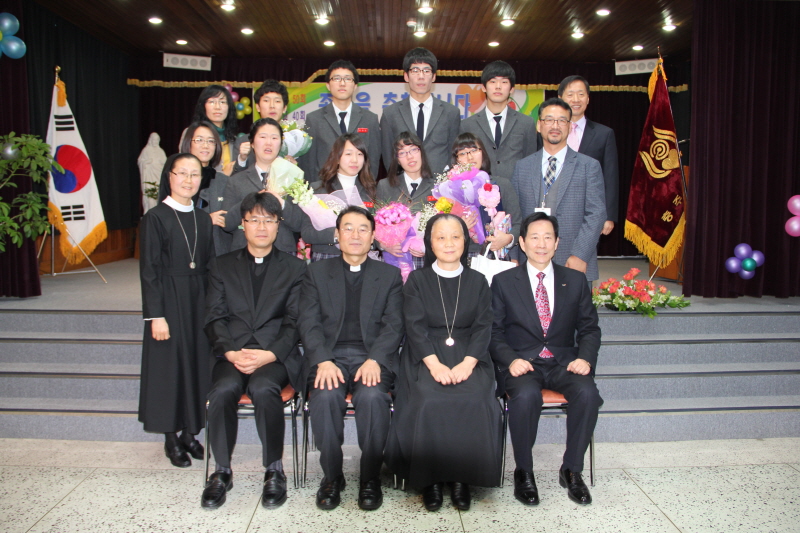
362 99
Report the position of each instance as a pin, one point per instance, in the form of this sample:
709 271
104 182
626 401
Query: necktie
543 308
498 133
342 126
414 188
550 176
265 180
572 139
421 123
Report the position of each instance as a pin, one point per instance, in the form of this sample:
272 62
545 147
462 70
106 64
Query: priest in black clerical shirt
251 321
351 325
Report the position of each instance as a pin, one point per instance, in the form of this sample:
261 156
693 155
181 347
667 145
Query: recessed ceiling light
494 43
322 21
228 5
507 22
329 43
247 31
577 35
420 33
638 47
669 27
155 20
603 12
181 41
425 9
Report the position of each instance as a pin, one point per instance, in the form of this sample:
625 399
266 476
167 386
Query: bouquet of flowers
322 209
296 142
393 226
460 186
638 295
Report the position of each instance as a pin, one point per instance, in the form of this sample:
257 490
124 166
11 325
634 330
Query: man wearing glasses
251 322
351 325
563 183
341 116
435 122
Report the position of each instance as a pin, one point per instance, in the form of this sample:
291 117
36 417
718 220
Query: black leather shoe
196 450
274 492
576 488
329 493
217 486
432 496
459 495
370 496
525 487
177 456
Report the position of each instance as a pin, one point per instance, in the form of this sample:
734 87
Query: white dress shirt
492 122
549 283
427 110
409 181
346 117
560 157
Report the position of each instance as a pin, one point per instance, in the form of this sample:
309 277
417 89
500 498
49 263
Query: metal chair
246 409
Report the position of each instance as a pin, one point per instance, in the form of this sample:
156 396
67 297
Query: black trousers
264 388
372 415
525 407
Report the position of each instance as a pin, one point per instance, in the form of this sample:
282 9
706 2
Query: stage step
687 323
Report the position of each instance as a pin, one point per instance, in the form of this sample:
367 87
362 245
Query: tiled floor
692 487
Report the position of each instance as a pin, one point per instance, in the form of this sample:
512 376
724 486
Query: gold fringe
661 256
89 243
61 98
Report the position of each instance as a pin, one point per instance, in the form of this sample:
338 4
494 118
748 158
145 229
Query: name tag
363 130
545 210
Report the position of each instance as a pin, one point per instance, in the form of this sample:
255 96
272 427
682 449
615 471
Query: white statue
151 163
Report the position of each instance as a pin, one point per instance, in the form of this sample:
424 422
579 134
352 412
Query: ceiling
456 29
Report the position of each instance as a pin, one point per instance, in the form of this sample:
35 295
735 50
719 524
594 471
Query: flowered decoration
638 295
460 186
296 142
393 226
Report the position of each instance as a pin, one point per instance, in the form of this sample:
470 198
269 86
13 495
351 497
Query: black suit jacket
517 332
598 142
234 314
322 311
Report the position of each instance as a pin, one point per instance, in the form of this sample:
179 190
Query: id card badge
545 210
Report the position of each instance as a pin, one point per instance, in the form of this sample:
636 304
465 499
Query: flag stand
53 256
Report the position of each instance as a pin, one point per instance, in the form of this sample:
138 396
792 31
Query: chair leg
591 460
207 453
305 444
505 437
295 463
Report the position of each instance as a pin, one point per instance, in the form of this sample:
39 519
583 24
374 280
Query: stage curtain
745 135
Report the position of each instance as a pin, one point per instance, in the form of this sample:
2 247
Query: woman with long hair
215 105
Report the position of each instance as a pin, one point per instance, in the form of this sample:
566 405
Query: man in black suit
435 122
251 321
351 325
593 139
546 336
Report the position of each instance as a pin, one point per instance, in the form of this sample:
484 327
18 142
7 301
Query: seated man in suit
593 139
341 116
507 135
435 122
351 325
271 100
546 336
251 321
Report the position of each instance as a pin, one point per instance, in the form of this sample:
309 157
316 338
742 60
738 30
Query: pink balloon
793 226
229 87
794 204
235 96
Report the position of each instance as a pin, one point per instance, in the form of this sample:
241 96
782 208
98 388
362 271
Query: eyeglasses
423 71
548 121
201 141
184 175
340 79
362 230
217 102
408 153
260 221
468 152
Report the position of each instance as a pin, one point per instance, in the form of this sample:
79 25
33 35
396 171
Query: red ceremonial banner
656 205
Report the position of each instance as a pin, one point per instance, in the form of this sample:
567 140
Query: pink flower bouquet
463 186
393 226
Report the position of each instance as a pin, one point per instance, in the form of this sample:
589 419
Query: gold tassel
89 243
659 255
61 99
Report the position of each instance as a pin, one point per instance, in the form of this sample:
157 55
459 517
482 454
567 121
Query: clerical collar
448 273
352 268
258 260
177 206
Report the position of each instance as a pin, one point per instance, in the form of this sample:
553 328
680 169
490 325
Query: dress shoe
525 487
432 496
196 450
459 495
370 496
329 493
177 455
274 492
576 488
217 486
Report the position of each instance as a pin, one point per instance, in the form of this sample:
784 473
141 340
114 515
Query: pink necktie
543 308
572 139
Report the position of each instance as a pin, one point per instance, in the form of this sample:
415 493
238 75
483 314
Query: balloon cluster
793 224
745 261
13 47
242 104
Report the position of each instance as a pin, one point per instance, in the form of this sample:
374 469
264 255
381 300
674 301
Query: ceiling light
181 41
420 33
329 43
322 21
155 20
247 31
603 12
228 5
577 35
494 43
669 27
638 47
507 22
425 9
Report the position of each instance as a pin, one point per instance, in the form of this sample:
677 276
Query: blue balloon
733 265
745 274
13 47
742 251
758 256
9 24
